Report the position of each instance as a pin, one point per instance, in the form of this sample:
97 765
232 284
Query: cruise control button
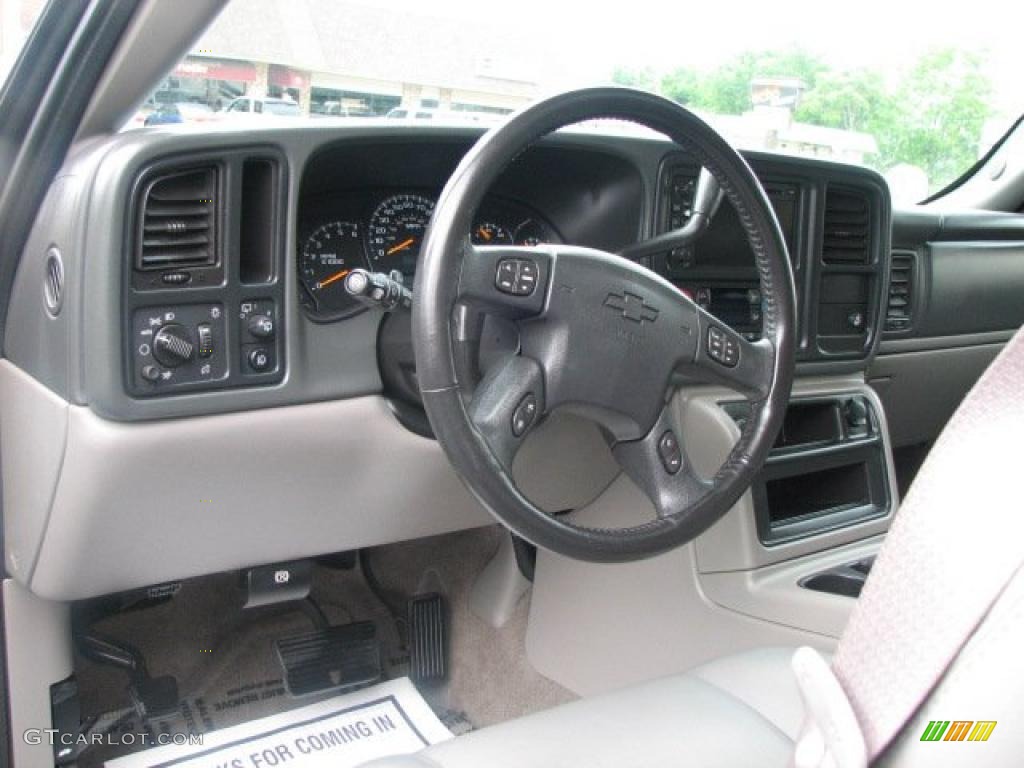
670 453
524 414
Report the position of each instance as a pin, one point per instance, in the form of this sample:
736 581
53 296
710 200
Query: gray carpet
227 671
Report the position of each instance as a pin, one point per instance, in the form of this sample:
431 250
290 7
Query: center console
826 471
835 223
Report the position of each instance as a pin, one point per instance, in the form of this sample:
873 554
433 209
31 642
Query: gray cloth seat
688 719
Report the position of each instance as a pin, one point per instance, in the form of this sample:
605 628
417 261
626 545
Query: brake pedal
337 658
428 638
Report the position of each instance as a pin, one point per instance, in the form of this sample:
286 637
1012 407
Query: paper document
341 732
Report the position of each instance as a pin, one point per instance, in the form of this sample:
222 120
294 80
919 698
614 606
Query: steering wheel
599 335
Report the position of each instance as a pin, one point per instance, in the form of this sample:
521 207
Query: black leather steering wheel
599 335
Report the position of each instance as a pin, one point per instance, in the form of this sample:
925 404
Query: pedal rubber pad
428 638
337 658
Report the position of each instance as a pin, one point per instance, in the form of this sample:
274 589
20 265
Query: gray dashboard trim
972 287
324 362
101 506
901 346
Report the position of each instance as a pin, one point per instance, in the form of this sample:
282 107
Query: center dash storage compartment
813 491
827 469
808 494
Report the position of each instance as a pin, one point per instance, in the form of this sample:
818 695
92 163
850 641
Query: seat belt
953 547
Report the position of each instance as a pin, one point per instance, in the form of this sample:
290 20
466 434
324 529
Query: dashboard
216 401
381 230
270 421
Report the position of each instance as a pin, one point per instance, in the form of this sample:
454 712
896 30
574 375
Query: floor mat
224 660
391 718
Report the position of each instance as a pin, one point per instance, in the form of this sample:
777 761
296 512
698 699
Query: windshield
919 98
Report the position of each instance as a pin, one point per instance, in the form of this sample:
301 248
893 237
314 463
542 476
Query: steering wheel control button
262 326
722 348
172 345
517 277
669 452
524 415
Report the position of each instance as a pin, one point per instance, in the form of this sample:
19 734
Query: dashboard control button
204 332
259 359
524 414
722 347
150 373
172 345
262 326
669 452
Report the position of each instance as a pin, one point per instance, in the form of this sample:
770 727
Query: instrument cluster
382 231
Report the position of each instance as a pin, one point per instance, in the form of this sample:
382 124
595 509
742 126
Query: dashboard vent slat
847 233
178 221
899 312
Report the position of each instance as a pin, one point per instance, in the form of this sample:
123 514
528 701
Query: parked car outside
184 112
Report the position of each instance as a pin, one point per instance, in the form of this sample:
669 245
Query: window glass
920 94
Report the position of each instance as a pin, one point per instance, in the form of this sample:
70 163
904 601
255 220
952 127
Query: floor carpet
224 661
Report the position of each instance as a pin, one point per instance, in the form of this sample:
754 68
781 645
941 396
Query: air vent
847 227
899 312
179 221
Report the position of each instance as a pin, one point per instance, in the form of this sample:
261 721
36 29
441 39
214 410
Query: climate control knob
172 345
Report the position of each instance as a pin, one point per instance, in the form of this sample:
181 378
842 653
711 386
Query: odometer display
396 233
328 254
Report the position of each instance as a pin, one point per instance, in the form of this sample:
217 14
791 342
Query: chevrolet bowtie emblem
632 307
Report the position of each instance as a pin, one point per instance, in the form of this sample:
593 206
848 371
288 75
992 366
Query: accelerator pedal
337 658
428 638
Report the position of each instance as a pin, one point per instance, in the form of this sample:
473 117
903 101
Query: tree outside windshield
920 99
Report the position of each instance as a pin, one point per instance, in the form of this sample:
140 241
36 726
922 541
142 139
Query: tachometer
328 254
396 233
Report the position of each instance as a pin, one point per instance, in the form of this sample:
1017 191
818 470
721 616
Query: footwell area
224 660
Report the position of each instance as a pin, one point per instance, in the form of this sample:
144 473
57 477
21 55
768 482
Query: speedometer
327 256
396 233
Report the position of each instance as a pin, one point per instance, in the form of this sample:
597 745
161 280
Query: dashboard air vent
847 227
899 311
178 221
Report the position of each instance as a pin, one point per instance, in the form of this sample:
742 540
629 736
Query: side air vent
899 312
847 233
178 221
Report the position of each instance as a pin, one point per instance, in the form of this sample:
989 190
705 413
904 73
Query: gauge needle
401 246
484 234
332 279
